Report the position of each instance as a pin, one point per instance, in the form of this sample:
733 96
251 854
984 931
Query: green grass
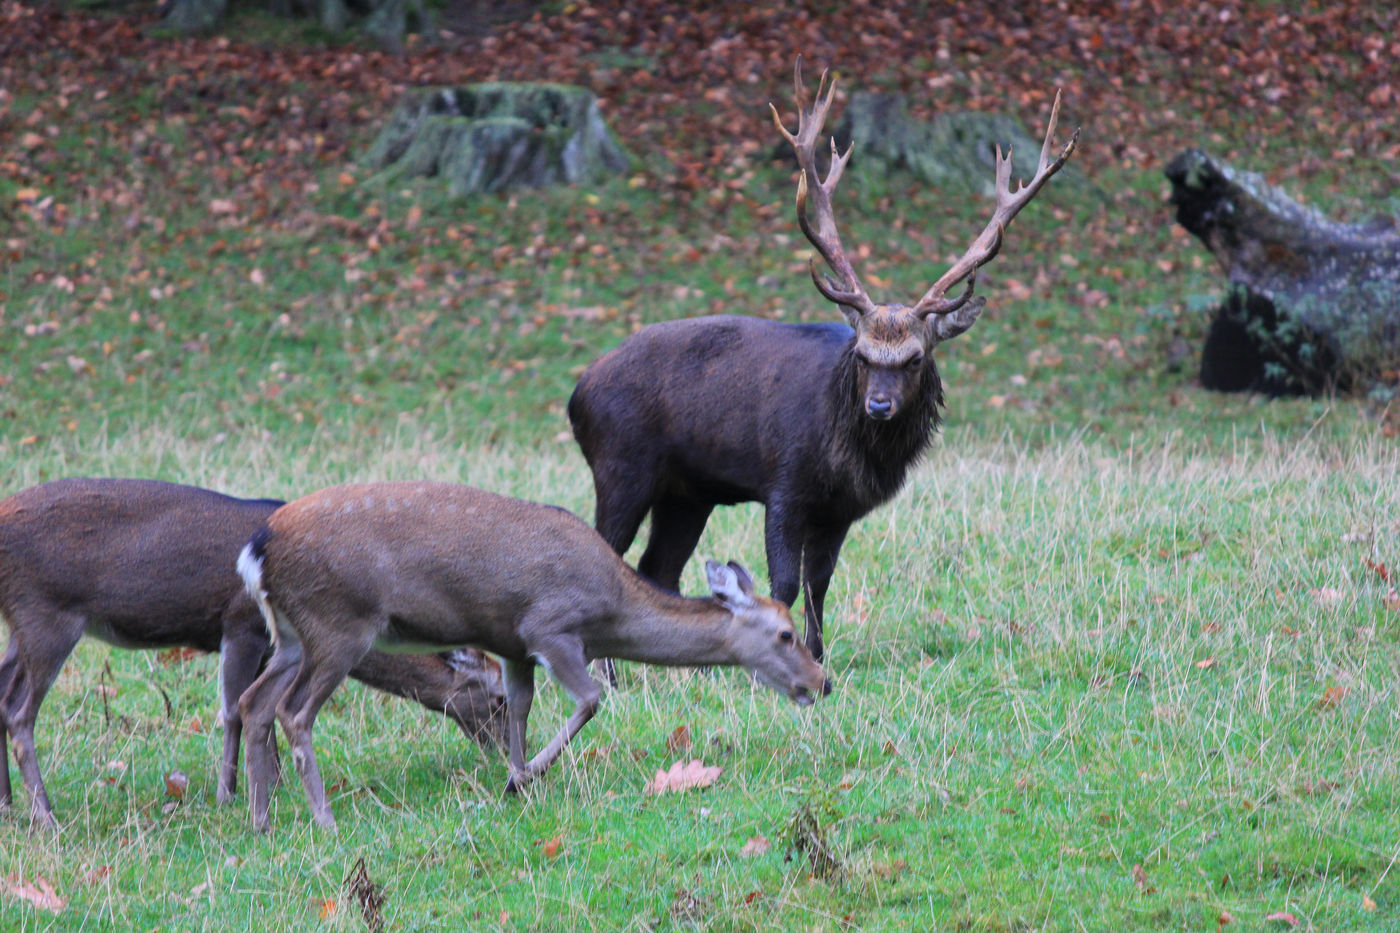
1023 713
1114 659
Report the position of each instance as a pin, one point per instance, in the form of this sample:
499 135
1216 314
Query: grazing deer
144 564
819 422
422 566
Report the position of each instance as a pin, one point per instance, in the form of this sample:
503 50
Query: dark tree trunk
1314 304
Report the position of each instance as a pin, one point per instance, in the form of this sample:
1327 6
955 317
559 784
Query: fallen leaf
176 783
552 847
683 776
222 206
98 875
1332 697
1140 879
1282 917
678 740
1366 903
41 894
757 845
178 655
327 908
1206 663
1223 920
1326 596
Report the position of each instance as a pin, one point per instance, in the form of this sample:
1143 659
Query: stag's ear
948 326
731 585
851 315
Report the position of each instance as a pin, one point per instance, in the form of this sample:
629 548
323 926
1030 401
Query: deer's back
441 562
147 563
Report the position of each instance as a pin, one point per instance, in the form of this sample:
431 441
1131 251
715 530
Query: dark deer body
820 423
420 566
145 564
686 415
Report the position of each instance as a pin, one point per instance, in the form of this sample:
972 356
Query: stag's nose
879 407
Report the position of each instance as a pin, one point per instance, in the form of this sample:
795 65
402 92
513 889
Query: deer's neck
658 627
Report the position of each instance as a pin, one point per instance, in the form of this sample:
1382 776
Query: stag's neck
658 627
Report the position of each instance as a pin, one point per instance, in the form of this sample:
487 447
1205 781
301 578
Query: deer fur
145 564
420 566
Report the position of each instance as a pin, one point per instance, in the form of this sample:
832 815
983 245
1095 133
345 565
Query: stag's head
894 342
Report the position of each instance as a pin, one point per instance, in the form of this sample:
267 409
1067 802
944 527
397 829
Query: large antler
821 228
988 243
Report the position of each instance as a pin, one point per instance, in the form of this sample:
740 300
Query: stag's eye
914 362
785 636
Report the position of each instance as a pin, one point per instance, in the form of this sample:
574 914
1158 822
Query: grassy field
1119 656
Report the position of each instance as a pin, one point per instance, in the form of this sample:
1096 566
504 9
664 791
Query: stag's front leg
782 538
819 563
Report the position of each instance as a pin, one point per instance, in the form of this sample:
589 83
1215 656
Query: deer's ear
948 326
731 585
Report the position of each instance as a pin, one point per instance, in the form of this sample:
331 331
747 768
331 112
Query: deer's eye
914 362
785 636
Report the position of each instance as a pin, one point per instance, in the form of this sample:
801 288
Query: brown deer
819 422
145 564
422 566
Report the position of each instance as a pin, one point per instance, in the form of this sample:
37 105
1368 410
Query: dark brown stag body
691 414
819 422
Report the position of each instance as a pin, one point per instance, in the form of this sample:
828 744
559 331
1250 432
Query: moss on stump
499 135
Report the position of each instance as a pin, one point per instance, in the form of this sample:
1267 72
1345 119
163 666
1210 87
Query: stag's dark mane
871 459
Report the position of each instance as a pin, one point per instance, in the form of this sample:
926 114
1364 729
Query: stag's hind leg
623 494
676 525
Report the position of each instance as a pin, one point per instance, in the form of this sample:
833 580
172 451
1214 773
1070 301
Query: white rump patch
250 569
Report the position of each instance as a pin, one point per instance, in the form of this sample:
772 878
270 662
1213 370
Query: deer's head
894 342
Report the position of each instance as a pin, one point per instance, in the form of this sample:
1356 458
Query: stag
819 422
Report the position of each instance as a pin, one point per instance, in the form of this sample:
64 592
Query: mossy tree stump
1314 304
494 136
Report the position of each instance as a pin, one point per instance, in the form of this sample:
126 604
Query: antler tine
820 226
1009 203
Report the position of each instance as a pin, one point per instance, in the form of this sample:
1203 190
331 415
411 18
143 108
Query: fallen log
1314 304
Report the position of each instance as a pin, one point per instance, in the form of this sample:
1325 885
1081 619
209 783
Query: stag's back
719 396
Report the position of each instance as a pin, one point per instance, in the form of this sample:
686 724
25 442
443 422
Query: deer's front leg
566 663
520 693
